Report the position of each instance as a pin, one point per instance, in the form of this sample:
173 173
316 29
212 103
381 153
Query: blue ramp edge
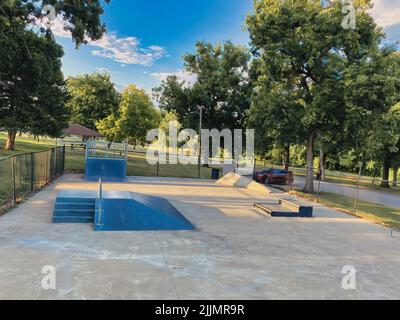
138 212
110 170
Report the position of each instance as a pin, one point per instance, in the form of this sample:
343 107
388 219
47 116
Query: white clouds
103 70
189 78
124 50
386 12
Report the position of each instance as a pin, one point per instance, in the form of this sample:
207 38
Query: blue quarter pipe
110 170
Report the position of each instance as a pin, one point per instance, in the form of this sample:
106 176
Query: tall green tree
222 87
303 43
32 92
275 113
91 98
372 88
135 117
174 96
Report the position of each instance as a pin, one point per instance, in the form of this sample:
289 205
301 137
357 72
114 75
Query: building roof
79 130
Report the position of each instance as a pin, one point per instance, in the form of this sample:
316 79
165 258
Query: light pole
200 113
200 127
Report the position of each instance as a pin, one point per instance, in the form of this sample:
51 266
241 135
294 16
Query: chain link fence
23 174
137 165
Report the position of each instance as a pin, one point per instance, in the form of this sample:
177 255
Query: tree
135 117
275 111
303 43
168 119
372 89
32 94
32 91
108 128
81 18
91 98
222 87
174 96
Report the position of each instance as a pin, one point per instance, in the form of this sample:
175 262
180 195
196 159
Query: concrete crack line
169 269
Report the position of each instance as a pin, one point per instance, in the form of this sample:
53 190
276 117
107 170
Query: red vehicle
274 176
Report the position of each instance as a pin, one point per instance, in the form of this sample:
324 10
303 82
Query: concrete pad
235 253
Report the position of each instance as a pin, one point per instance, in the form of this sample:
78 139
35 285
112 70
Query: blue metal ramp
103 162
119 211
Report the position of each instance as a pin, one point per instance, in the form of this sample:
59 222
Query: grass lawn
371 211
24 145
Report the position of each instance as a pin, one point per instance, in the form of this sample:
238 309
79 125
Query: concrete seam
169 269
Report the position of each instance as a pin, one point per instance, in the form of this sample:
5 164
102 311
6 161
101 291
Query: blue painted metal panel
120 211
138 212
112 170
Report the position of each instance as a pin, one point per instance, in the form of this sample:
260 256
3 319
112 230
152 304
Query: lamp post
200 113
200 127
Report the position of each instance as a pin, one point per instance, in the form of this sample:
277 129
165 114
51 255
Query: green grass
24 145
374 212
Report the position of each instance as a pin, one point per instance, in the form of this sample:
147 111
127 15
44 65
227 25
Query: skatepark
235 252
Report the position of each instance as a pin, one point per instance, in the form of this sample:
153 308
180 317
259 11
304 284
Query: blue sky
146 39
161 32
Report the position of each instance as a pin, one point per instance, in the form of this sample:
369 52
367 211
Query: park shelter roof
79 130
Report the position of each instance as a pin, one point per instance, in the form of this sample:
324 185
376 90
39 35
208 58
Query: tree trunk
10 140
385 172
395 173
309 186
286 158
322 160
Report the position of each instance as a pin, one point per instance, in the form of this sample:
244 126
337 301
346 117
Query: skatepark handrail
106 150
99 201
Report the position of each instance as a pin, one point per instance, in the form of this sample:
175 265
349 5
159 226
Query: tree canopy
91 98
222 87
32 92
135 116
81 18
305 52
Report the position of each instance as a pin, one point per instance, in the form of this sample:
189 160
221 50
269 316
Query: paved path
387 199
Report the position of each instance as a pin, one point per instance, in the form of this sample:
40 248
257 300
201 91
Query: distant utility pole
200 127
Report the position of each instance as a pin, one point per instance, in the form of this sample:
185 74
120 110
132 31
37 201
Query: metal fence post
158 168
63 159
55 163
14 195
32 172
46 179
358 187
